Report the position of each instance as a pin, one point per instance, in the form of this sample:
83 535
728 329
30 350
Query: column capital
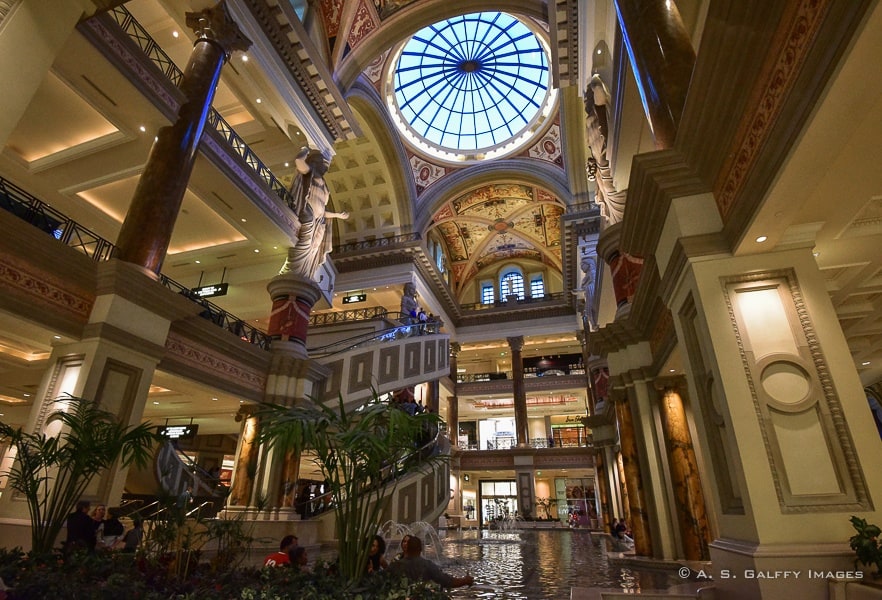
676 383
516 343
215 24
455 348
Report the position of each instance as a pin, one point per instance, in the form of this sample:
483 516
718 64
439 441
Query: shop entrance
498 500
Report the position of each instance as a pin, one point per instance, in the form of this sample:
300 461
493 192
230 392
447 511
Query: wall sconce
466 477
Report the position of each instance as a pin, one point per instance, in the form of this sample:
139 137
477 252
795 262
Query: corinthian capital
216 24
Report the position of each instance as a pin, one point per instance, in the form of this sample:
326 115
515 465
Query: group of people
408 563
92 530
290 554
412 314
411 564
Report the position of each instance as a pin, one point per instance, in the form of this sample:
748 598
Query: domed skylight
471 87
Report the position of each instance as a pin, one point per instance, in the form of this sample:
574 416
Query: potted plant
866 545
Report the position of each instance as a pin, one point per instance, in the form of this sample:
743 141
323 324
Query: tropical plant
52 472
866 544
362 454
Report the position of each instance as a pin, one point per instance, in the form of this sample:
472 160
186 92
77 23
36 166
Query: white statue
610 200
588 281
311 193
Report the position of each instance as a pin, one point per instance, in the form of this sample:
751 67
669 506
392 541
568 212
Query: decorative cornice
43 289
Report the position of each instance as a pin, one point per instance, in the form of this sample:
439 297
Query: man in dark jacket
81 529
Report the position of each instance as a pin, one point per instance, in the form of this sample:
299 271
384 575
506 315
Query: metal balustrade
385 242
154 52
27 207
348 316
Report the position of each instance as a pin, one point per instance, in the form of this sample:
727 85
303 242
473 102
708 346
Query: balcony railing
552 297
348 316
70 233
154 52
379 243
510 443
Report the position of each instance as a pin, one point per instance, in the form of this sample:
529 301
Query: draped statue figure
588 315
311 194
610 200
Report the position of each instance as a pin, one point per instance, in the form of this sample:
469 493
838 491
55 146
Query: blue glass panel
471 82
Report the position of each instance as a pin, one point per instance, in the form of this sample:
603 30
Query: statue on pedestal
312 194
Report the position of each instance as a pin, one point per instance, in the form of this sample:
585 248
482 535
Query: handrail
42 216
372 337
548 297
55 223
325 500
154 52
383 242
220 317
346 316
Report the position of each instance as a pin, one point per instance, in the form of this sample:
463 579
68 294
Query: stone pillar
32 35
685 478
245 471
624 268
433 396
453 420
662 58
147 229
453 401
638 514
520 394
293 297
600 480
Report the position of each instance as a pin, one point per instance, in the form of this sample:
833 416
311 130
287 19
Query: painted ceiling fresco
499 223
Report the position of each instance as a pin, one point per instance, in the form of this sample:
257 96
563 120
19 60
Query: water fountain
392 532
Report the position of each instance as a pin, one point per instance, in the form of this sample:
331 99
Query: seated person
299 558
415 567
282 557
377 557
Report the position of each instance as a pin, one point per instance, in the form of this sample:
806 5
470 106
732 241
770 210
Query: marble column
638 514
602 490
516 344
244 472
433 396
150 220
685 477
453 401
662 58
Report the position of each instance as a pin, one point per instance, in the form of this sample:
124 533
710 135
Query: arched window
512 283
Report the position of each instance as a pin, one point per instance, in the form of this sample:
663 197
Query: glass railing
154 52
25 206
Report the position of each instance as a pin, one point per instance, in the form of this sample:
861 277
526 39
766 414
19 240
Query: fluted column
685 478
520 394
662 58
147 229
638 513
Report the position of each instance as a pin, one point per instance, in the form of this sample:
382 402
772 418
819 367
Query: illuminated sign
354 298
178 432
209 291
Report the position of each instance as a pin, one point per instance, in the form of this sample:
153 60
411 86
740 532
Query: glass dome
471 87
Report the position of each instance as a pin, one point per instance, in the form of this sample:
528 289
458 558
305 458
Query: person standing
81 529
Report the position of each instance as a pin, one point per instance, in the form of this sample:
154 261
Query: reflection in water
537 565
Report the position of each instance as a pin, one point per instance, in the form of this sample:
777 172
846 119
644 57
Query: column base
747 571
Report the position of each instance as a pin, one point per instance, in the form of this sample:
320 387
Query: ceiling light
26 395
244 220
761 239
1 414
258 100
599 51
175 34
155 402
671 370
244 58
57 337
142 129
275 247
816 254
256 250
241 402
198 262
286 164
215 399
866 363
